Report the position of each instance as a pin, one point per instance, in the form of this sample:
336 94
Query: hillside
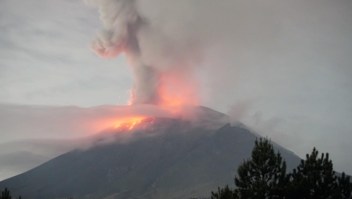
171 158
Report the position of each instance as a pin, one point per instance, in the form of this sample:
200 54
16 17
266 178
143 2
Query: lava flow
130 123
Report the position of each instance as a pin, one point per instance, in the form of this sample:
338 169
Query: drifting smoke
161 67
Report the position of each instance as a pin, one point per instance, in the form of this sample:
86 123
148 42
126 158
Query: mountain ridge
172 158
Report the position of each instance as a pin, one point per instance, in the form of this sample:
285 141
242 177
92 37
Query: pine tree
223 193
313 178
343 188
264 176
5 194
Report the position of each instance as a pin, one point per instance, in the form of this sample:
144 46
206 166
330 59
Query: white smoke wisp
151 53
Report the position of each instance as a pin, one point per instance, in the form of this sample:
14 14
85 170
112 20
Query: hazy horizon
282 67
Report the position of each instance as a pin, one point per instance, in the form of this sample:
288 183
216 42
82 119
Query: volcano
165 158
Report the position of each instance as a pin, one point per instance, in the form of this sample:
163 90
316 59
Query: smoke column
122 24
152 56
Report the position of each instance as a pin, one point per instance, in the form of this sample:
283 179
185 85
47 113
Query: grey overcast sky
283 67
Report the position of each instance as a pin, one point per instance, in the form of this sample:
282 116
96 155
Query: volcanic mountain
164 158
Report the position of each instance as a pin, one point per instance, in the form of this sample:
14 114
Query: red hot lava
175 92
130 123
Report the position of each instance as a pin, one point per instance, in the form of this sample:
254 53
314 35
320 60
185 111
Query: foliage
313 178
264 176
223 193
7 195
344 187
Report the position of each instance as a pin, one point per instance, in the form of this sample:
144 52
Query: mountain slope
172 158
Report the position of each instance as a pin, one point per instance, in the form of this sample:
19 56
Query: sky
282 67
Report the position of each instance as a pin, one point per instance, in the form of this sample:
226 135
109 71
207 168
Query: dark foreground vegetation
5 194
264 177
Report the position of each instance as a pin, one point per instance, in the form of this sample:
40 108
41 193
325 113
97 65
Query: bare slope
172 158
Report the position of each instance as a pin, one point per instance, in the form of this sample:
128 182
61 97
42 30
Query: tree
313 178
344 187
5 194
223 193
264 176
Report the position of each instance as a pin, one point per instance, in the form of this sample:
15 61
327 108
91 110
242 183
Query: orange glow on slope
177 90
129 123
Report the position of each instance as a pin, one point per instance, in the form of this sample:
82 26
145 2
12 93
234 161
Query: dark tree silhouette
5 194
223 193
344 187
313 178
264 176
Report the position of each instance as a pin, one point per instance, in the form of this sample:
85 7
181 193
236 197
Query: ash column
122 24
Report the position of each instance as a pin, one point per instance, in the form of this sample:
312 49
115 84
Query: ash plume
151 54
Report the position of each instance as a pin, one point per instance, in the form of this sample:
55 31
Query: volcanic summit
162 157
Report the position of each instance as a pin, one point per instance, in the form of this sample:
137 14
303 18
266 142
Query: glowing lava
175 93
177 90
129 123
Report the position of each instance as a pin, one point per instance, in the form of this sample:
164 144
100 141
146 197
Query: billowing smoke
160 66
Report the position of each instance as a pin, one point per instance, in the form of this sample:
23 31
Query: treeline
264 176
5 194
